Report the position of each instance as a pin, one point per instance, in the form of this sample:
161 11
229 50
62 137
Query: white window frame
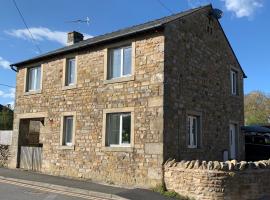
190 133
64 141
35 79
106 147
235 125
121 62
65 85
67 76
62 129
234 82
121 144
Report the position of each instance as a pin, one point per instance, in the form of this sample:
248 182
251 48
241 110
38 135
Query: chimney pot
74 37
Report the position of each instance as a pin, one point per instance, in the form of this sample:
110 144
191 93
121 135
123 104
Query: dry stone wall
230 180
4 154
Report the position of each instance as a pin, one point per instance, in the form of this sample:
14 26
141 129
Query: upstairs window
70 72
118 129
193 131
68 131
33 79
234 82
119 64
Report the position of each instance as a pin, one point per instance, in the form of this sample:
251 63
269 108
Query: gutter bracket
12 67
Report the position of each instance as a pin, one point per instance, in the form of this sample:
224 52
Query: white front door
232 141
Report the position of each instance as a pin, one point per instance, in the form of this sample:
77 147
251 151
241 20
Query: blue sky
246 23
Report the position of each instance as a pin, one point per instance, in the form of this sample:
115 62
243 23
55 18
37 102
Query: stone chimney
74 37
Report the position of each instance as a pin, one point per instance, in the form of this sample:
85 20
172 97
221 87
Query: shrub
172 194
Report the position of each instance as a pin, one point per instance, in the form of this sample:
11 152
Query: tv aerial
87 21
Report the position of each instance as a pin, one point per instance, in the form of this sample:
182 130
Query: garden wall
230 180
4 153
5 141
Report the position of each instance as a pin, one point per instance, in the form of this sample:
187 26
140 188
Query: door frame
236 140
25 116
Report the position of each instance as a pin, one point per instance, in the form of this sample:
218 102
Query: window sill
32 92
192 147
121 79
69 87
66 147
198 149
118 149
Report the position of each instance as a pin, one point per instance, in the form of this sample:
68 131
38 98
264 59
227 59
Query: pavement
74 187
14 192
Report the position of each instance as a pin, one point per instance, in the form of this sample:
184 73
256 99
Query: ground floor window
68 131
193 131
118 129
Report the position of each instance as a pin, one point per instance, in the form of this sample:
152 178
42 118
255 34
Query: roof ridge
155 23
158 19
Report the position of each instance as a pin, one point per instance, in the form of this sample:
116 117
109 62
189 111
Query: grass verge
161 189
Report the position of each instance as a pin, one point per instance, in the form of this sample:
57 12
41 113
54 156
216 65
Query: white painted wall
5 137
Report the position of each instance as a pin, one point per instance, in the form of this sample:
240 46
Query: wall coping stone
230 165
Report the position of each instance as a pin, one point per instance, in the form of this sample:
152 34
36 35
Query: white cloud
11 104
4 63
41 34
243 8
10 94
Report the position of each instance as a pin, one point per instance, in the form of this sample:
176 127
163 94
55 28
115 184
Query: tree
6 118
257 108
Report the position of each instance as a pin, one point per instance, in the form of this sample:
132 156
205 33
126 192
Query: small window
193 131
68 131
234 82
70 72
119 62
118 129
33 79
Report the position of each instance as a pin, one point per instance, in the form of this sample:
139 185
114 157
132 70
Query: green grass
161 189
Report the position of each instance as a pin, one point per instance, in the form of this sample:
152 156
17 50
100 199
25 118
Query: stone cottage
115 107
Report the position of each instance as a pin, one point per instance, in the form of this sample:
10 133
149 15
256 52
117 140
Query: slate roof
151 25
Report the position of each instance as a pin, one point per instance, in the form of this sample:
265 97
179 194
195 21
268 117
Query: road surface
14 192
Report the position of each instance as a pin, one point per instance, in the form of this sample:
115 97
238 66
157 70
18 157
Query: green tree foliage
257 108
6 118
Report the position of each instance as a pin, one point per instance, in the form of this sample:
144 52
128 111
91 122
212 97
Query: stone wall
197 80
139 165
229 180
4 155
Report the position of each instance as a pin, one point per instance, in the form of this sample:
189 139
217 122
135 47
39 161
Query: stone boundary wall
230 180
4 154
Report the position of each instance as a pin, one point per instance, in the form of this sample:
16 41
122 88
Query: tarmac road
14 192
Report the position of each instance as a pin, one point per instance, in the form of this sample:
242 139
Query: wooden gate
31 158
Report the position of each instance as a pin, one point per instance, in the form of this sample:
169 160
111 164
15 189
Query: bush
4 153
172 194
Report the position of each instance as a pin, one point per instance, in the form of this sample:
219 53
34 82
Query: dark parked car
257 143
